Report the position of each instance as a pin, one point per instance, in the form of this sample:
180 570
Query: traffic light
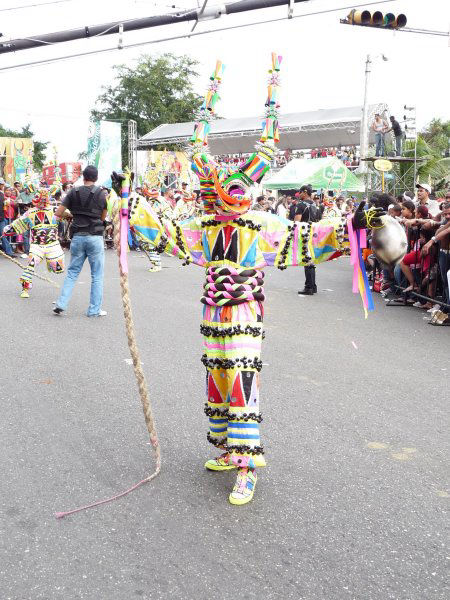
365 18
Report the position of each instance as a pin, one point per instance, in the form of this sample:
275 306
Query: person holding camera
87 204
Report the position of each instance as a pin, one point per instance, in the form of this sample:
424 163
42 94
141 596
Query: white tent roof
325 127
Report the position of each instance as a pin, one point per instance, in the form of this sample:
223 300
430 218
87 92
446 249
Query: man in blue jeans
87 204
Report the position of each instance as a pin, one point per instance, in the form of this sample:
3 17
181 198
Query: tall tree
437 135
157 90
38 147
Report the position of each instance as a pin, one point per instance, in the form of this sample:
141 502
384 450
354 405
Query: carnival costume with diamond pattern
234 245
44 244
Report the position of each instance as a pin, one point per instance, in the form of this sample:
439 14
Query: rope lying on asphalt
135 355
19 264
139 374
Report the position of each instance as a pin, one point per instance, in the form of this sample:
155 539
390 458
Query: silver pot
389 243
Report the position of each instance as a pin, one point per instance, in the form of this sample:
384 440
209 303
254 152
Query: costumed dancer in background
330 208
42 223
185 206
164 211
234 245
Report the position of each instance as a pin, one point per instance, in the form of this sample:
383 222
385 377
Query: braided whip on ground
19 264
120 220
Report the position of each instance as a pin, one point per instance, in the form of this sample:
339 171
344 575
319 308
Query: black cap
90 173
306 188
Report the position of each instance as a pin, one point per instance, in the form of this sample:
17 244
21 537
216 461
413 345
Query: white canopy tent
320 128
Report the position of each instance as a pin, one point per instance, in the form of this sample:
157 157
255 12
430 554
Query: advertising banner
105 149
16 155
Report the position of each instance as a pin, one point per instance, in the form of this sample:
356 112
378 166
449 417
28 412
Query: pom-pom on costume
234 246
44 244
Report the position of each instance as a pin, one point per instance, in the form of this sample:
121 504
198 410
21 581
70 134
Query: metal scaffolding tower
400 179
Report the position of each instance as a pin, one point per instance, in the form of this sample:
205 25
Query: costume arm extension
182 239
299 244
20 225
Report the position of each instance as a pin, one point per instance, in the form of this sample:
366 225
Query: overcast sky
323 61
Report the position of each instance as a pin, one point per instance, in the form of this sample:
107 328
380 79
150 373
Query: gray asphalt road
351 505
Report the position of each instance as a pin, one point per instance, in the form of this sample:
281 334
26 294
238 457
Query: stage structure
400 179
325 128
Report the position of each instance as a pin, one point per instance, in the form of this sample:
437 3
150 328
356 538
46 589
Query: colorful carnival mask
328 202
150 193
42 198
55 187
224 189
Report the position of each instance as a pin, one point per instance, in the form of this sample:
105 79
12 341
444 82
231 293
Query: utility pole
120 27
364 132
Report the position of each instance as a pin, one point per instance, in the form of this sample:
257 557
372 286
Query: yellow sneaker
244 488
24 294
221 463
224 463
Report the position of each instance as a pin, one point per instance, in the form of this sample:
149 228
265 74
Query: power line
183 36
119 26
34 5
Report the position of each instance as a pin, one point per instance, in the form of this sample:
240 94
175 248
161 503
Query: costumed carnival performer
42 223
234 245
164 211
330 208
185 206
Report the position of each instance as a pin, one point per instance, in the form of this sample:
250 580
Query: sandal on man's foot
244 488
221 463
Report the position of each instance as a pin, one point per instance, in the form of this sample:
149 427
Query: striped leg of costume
155 260
232 343
153 256
52 253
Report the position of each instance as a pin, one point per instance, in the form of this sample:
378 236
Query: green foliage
38 147
157 90
437 135
432 166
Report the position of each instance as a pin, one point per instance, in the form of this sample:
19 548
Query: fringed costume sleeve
182 239
22 223
305 243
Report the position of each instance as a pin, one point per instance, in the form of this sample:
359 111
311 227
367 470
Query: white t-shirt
432 205
282 211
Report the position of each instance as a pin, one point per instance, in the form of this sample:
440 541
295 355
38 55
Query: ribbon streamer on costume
358 240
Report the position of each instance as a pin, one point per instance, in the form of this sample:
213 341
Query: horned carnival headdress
224 188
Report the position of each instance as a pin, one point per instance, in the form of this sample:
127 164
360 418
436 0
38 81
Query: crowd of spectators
326 203
348 154
421 278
